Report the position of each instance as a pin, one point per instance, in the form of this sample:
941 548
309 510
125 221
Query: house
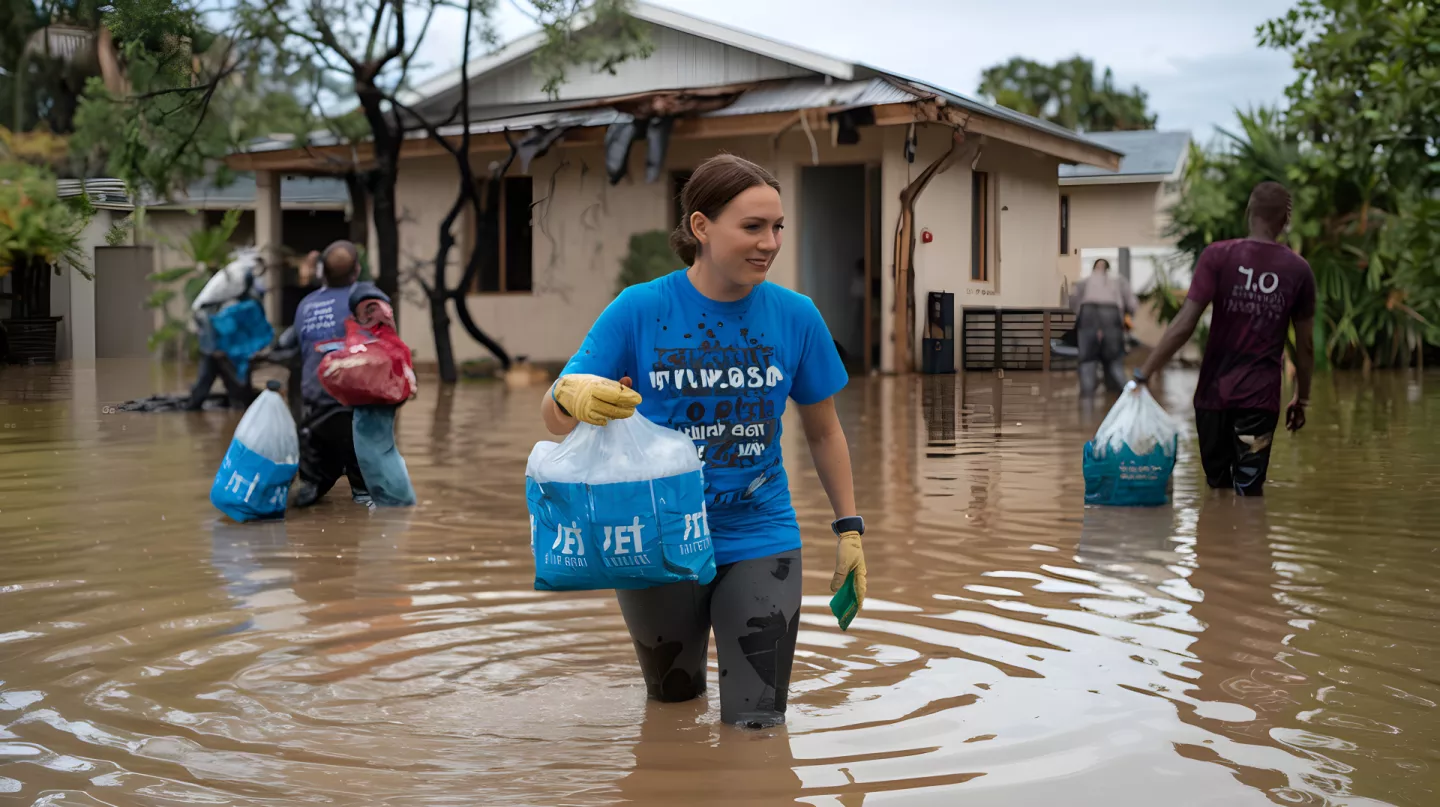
1122 215
107 317
844 139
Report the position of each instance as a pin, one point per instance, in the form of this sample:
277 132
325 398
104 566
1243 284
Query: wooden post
268 239
1045 344
905 258
999 342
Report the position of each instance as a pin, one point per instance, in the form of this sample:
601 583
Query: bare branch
327 35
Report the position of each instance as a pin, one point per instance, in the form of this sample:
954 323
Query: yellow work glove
849 557
594 400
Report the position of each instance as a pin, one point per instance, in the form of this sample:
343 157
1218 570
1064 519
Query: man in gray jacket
1102 302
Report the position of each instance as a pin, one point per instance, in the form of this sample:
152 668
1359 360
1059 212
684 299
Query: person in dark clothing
1260 288
213 361
1102 303
327 441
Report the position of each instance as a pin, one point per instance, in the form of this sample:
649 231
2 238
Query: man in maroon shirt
1259 288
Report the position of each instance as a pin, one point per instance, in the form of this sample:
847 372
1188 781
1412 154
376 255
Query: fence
1014 338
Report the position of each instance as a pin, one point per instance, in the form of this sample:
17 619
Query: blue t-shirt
320 327
721 372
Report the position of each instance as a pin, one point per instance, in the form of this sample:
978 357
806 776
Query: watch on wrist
1139 376
840 526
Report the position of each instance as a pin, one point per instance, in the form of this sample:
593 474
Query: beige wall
581 233
1118 215
1024 210
582 230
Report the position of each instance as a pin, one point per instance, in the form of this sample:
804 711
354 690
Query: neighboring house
836 134
1104 212
107 318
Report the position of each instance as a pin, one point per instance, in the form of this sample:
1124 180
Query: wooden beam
339 159
930 111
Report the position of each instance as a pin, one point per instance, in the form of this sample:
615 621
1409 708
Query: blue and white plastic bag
1130 461
254 478
618 507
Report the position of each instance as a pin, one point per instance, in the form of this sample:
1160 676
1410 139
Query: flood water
1016 648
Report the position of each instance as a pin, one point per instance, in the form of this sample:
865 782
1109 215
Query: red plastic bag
374 367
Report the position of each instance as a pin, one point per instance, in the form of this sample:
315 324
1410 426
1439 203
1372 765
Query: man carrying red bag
373 375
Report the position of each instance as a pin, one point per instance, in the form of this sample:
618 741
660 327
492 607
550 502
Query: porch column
268 238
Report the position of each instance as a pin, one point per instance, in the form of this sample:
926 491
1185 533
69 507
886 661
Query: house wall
1024 237
1104 218
582 229
581 233
1112 216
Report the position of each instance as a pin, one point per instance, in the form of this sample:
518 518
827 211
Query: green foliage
208 250
1359 147
1067 93
649 257
36 225
603 38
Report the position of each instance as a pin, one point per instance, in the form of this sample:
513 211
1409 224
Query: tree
38 232
609 37
1067 93
355 52
1359 147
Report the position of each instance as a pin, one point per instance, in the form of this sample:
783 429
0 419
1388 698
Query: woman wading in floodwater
715 351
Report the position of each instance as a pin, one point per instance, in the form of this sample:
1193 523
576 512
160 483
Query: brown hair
710 188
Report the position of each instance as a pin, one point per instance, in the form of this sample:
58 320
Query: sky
1199 61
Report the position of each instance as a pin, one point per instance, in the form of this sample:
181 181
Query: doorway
839 256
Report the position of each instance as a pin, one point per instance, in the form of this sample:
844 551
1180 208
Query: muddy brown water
1017 648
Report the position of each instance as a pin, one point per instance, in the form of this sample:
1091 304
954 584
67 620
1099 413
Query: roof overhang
1066 149
1117 179
492 135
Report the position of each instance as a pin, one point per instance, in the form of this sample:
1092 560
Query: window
1064 225
503 235
979 226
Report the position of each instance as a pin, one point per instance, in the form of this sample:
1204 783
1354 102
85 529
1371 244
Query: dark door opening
839 256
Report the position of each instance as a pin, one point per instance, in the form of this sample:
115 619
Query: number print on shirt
1257 298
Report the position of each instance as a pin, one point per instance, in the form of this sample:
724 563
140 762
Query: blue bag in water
1130 461
618 507
254 478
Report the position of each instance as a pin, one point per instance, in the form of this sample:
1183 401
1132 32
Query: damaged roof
796 79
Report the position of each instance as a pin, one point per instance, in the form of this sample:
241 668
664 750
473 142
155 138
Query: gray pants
754 607
1100 334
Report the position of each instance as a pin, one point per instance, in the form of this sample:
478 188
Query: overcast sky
1199 61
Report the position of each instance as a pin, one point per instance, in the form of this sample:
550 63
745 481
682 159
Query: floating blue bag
254 478
618 507
1129 462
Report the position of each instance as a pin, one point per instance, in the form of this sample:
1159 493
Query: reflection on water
1017 648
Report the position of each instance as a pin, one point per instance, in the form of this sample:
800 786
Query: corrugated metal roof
994 110
60 41
295 191
812 93
1146 152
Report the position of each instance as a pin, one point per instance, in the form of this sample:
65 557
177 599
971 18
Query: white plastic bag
268 429
229 283
1136 420
618 507
634 449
